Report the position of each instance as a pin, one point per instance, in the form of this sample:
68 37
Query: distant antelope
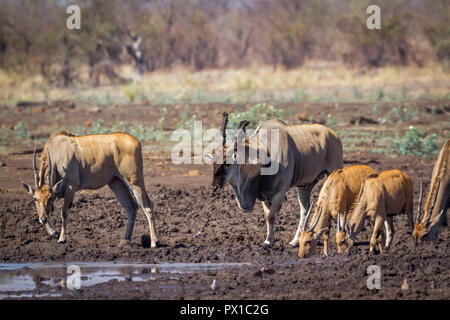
381 197
305 153
90 162
335 200
430 220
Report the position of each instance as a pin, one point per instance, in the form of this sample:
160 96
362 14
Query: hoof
53 234
268 243
293 244
62 241
155 244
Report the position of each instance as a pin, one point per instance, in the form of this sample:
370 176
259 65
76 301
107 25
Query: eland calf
381 197
335 200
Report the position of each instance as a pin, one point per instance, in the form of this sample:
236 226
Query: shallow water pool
27 280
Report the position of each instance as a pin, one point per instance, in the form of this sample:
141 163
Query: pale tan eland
71 163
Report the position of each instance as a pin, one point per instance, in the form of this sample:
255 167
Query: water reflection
46 279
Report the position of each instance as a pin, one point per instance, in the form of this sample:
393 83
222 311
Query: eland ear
28 188
208 157
58 186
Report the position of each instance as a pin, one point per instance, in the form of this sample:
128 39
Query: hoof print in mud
263 271
125 243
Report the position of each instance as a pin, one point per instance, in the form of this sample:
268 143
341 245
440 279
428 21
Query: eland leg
325 243
389 224
266 217
144 202
270 214
377 229
303 196
68 198
124 197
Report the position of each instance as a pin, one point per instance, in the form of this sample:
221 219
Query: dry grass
180 84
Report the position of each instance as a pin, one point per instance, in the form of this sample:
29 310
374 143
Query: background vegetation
201 34
257 59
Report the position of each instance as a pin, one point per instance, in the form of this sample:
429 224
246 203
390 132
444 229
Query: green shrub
375 109
255 114
134 93
141 131
415 142
299 94
433 110
4 134
379 94
331 122
357 94
21 130
98 127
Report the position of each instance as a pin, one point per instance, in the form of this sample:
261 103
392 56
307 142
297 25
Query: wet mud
196 225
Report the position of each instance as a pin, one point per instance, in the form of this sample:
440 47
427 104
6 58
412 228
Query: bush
416 142
4 134
438 35
389 45
21 130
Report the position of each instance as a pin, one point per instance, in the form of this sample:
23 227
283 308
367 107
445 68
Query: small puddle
27 280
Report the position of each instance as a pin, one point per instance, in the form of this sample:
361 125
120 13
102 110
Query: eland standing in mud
71 163
299 157
430 220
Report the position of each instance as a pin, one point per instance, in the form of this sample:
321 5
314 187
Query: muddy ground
184 205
